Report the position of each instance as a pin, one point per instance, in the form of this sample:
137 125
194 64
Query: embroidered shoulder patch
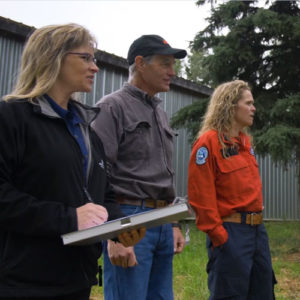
201 156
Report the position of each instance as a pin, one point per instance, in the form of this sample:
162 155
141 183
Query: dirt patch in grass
100 297
288 285
295 257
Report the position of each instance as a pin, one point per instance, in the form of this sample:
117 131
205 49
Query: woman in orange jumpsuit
225 190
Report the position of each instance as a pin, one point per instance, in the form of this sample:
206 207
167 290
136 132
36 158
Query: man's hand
179 240
121 256
90 215
130 238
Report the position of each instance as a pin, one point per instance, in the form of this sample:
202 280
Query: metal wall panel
280 186
10 54
280 190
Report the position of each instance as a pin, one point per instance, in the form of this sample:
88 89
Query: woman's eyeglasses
87 57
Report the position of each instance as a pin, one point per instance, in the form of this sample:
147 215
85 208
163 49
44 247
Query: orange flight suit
219 186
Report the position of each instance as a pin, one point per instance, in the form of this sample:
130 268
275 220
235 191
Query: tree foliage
178 67
281 135
190 118
194 69
255 44
260 45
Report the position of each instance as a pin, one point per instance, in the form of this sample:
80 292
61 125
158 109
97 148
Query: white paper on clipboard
113 228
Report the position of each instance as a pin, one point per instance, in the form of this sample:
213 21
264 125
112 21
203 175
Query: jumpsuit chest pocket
136 141
233 164
233 173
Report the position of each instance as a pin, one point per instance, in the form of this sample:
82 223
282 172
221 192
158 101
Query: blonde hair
43 55
221 109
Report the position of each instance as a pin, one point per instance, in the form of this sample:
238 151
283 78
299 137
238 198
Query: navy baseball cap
147 45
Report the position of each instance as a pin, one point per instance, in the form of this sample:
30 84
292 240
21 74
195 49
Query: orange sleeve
202 191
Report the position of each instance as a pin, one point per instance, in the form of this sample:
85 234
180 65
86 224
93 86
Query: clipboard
112 229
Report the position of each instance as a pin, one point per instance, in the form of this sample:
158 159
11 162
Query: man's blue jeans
151 279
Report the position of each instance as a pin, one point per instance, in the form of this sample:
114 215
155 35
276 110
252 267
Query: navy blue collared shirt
73 121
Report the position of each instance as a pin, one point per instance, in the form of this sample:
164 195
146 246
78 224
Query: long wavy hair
221 109
42 58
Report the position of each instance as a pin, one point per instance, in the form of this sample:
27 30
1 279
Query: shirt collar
234 140
135 91
70 114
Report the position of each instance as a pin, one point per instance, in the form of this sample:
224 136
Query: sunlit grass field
190 278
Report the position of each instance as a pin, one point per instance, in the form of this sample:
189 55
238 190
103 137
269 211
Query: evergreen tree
178 68
194 69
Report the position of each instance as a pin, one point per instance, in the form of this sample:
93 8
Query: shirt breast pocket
169 144
232 164
233 177
135 142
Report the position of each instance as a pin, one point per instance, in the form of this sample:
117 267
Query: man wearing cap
138 142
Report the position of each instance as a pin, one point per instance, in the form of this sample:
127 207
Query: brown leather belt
251 218
150 203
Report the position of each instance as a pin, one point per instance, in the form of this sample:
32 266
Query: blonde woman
52 170
225 190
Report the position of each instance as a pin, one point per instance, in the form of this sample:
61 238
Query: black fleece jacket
41 185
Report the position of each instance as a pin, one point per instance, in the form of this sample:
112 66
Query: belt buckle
252 218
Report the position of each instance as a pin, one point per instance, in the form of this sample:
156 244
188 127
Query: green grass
285 250
190 278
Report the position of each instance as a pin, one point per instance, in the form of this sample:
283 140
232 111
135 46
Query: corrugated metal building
280 185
